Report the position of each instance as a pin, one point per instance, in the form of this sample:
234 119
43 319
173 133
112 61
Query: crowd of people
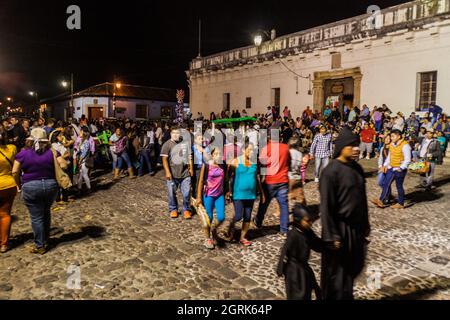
240 162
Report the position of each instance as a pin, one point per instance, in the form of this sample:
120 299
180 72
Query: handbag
62 178
89 163
421 167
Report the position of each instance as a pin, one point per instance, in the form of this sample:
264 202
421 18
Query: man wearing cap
344 217
395 166
429 151
321 150
413 124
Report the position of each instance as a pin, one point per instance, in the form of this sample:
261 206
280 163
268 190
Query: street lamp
258 39
65 84
118 85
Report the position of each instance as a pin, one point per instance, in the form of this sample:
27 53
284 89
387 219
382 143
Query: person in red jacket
275 158
368 136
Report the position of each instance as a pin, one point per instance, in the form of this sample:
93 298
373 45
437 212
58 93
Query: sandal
209 244
245 242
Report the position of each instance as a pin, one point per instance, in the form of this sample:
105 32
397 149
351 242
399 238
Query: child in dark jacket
293 264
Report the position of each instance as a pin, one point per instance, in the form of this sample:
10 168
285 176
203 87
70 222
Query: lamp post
258 39
117 85
34 94
65 84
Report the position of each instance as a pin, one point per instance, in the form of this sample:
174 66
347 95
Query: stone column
318 95
357 90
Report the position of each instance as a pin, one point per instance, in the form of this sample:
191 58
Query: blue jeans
243 209
215 202
39 196
399 177
144 157
280 192
121 158
381 181
320 163
185 187
378 125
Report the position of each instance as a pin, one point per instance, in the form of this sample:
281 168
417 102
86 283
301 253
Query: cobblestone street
127 247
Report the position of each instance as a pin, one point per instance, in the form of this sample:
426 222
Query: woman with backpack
120 149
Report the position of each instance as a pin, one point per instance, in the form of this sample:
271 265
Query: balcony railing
408 15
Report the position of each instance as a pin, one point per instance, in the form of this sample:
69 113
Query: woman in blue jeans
121 151
244 181
39 186
210 192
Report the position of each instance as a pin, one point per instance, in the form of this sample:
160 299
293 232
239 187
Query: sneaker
36 250
377 202
152 174
368 158
174 214
209 244
283 235
316 179
187 215
4 248
398 206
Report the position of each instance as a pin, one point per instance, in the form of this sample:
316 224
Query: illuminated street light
258 40
65 84
118 85
31 93
9 99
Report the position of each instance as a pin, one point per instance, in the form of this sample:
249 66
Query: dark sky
139 42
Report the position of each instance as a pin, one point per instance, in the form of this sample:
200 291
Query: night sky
138 42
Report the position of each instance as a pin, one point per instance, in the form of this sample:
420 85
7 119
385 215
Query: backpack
121 145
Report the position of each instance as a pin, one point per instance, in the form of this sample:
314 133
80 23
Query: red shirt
367 135
275 159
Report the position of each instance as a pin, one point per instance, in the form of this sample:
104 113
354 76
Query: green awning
231 120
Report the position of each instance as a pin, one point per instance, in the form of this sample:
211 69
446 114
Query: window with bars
226 102
276 97
426 89
141 111
248 102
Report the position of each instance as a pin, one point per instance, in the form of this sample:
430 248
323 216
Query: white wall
153 110
81 105
389 75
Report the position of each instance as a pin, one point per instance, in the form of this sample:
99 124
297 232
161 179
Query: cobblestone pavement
127 247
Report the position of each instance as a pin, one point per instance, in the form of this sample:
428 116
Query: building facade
108 100
399 56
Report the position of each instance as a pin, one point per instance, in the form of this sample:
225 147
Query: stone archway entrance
344 83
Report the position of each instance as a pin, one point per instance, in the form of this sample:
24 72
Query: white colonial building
399 56
109 100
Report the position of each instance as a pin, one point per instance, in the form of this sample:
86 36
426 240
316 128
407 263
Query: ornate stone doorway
344 83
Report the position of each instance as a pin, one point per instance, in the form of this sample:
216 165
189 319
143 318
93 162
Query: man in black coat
344 217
